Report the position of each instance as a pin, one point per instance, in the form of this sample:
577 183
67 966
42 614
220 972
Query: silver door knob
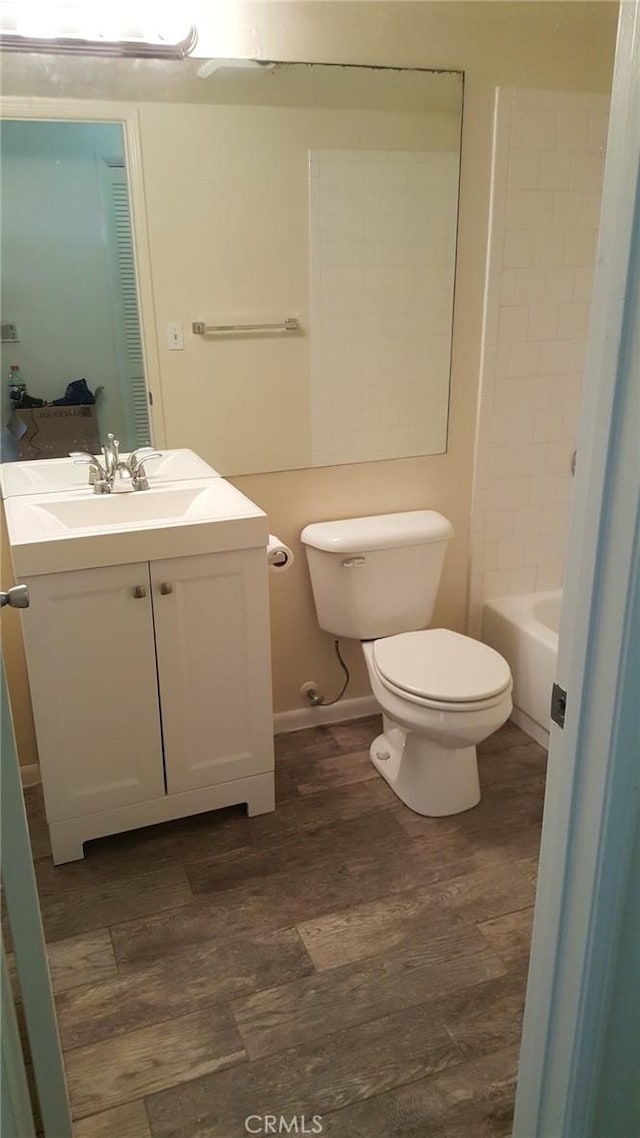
16 598
166 588
139 591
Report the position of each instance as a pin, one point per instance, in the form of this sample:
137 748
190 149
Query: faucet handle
96 471
139 454
139 473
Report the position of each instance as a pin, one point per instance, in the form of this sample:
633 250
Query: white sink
51 533
113 511
53 475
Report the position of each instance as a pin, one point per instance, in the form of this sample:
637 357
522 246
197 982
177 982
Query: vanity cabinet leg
66 845
262 799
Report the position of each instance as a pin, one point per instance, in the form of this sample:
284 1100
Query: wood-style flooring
342 957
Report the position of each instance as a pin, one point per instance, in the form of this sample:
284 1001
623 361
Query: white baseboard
30 774
318 716
529 725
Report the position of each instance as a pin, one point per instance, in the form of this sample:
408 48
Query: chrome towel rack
288 324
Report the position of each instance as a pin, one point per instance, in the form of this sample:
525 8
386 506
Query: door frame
127 115
32 964
591 803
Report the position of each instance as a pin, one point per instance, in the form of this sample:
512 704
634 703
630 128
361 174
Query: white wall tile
499 524
513 493
555 519
528 521
580 247
558 356
532 459
549 576
496 584
382 225
555 169
519 248
558 457
533 129
513 322
543 322
549 248
523 359
587 170
559 284
522 581
573 321
495 430
597 126
524 169
510 554
591 206
571 130
567 209
518 427
503 463
530 286
583 284
548 161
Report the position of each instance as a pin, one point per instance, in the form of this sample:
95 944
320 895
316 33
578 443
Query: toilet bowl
375 579
440 694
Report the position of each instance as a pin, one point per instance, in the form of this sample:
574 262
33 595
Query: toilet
375 579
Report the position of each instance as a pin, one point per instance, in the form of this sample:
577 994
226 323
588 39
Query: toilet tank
379 575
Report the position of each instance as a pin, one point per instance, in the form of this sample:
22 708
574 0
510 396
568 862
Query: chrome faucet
97 475
115 475
136 461
111 455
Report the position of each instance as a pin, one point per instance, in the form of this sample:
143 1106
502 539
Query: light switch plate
175 341
9 332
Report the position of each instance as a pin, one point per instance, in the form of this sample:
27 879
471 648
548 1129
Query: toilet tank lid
380 531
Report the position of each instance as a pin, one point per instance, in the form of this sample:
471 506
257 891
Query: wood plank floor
342 958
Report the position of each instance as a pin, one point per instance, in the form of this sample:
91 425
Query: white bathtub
524 629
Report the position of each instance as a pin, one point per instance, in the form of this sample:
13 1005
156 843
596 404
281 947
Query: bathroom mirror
317 199
69 294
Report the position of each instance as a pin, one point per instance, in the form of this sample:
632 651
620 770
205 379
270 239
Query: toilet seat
441 669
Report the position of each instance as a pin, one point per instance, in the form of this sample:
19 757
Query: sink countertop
62 475
57 532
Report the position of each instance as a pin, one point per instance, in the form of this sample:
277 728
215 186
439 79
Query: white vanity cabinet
212 643
151 689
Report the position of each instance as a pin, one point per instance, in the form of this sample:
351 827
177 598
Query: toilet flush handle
353 562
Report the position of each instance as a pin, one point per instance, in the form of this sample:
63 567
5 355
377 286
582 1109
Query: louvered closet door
120 240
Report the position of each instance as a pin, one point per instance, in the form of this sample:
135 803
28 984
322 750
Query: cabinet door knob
166 588
139 591
17 597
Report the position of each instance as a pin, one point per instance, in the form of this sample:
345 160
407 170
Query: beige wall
563 46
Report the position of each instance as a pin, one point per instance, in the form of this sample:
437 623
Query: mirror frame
94 111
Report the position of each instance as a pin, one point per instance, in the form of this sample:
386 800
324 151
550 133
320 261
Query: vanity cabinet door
214 670
92 669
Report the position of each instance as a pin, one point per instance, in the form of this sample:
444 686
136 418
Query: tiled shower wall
382 255
547 179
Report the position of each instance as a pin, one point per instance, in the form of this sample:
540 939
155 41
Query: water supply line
315 698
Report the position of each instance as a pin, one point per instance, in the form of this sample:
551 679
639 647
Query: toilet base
429 779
